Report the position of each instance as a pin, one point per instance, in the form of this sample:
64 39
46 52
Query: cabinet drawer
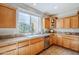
24 43
13 52
7 48
35 40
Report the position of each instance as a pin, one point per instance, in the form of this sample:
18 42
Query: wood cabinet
66 42
47 23
55 39
75 45
59 23
75 21
24 48
60 41
13 52
9 50
51 39
66 22
37 47
7 17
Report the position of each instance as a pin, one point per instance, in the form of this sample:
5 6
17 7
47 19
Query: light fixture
55 7
34 4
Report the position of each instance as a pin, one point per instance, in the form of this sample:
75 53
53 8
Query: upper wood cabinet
59 23
7 17
47 23
74 22
66 22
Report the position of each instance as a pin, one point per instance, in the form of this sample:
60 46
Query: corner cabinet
7 17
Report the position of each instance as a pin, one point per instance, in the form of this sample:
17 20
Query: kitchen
39 29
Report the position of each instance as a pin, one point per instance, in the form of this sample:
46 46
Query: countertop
4 42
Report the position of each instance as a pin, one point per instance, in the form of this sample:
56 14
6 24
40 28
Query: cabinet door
59 41
66 42
24 50
74 22
51 39
7 17
47 23
66 22
55 39
75 45
37 47
60 23
8 49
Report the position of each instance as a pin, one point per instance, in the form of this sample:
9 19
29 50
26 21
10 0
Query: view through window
29 23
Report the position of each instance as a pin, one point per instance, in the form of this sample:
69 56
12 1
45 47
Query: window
36 24
29 23
24 23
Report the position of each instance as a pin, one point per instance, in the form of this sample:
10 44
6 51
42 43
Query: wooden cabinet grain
9 49
24 48
13 52
66 42
60 40
75 21
51 39
55 39
7 17
59 23
66 22
75 45
47 23
37 47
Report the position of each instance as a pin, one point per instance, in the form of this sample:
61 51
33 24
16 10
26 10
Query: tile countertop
4 42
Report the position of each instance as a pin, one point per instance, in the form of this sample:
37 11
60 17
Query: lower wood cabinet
13 52
51 39
37 47
60 41
55 39
75 45
9 50
66 42
24 50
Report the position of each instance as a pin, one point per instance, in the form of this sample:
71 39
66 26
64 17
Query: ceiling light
55 7
34 4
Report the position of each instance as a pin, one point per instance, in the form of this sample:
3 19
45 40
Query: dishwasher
46 42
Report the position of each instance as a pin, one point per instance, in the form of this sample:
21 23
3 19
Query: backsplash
67 30
8 31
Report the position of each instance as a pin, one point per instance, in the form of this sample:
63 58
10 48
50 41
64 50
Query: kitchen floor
57 50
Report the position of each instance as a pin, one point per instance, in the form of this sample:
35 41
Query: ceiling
54 8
